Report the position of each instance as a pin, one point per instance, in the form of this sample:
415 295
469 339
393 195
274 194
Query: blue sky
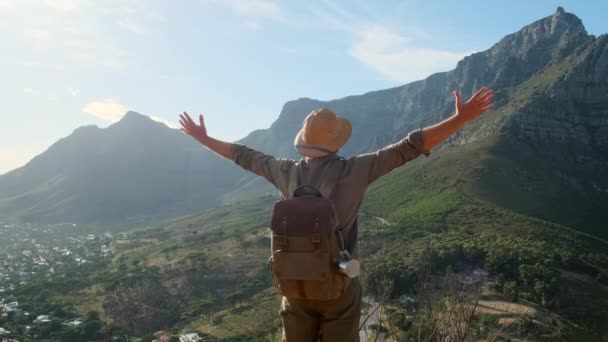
68 63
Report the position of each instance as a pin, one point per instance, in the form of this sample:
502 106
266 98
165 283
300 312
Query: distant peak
301 107
566 19
133 119
133 115
560 29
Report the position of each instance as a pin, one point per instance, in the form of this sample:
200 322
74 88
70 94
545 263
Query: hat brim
344 129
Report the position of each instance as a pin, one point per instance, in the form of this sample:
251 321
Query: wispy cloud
253 12
59 33
28 90
8 4
253 8
91 58
106 110
397 58
39 36
66 5
51 96
131 26
252 25
98 51
73 92
395 54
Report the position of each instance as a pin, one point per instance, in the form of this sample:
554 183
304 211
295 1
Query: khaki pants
326 321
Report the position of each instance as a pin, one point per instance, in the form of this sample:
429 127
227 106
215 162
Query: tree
379 296
141 306
92 316
92 329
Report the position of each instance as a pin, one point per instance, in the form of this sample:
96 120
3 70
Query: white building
193 337
42 319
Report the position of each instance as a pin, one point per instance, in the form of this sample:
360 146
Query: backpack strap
293 182
327 187
332 174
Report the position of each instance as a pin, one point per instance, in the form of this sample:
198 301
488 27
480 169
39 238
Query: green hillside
518 197
211 269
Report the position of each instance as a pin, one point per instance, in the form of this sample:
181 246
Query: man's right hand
198 132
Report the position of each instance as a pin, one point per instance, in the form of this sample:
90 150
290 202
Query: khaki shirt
357 174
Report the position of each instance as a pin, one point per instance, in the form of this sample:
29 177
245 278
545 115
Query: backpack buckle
281 239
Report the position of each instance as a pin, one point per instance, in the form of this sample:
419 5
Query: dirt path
383 221
493 304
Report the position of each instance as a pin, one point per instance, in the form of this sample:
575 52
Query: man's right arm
222 148
199 132
275 170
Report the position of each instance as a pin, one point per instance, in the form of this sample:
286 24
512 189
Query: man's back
355 176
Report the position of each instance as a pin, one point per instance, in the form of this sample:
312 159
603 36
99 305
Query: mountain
134 168
500 197
541 152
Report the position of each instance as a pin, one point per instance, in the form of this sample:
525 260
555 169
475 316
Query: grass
257 316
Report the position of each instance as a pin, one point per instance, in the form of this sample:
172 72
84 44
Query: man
321 136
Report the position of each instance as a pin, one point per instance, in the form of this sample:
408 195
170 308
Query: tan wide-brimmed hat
322 133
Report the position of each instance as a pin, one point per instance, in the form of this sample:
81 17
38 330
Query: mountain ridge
551 65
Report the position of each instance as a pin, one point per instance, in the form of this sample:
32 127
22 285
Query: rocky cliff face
548 126
390 114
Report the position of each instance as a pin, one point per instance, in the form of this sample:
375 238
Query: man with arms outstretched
322 135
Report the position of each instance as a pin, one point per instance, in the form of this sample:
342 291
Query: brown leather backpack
307 241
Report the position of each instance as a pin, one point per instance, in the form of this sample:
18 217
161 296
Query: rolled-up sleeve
275 170
375 165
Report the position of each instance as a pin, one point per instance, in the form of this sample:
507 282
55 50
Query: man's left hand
475 106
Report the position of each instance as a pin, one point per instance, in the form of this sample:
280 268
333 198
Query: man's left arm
465 113
372 166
